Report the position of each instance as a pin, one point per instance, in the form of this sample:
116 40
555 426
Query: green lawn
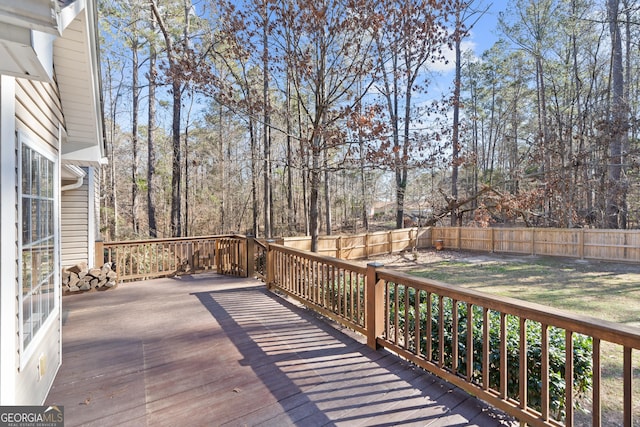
602 290
598 289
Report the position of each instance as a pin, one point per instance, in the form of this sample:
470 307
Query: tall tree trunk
135 98
363 184
151 155
543 134
254 177
290 207
176 169
266 134
223 172
176 89
456 219
327 194
617 129
314 190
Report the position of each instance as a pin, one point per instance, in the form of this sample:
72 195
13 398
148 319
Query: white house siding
74 221
9 343
38 115
94 217
38 111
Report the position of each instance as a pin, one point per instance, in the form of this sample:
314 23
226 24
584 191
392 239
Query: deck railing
524 358
330 286
146 259
534 362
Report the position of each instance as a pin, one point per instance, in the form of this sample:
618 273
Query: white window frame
26 352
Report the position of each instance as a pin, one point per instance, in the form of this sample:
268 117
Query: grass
597 289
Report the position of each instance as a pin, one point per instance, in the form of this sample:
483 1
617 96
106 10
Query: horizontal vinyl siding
38 110
31 389
38 115
74 220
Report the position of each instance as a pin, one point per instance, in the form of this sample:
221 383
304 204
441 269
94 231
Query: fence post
270 265
533 241
375 305
493 240
366 245
249 256
581 243
390 241
339 247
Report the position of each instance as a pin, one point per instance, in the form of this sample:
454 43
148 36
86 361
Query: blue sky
483 36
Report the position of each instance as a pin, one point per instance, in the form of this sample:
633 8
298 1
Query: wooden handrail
394 321
420 319
150 258
616 333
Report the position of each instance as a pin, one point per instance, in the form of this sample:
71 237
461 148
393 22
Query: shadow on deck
214 350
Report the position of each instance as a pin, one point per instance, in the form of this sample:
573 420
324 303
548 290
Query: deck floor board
213 350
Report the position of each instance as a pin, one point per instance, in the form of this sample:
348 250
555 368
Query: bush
582 349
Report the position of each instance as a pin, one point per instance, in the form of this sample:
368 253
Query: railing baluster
469 345
441 331
503 356
352 315
522 377
544 371
568 377
628 386
387 313
417 319
486 350
597 376
406 316
429 326
454 337
396 306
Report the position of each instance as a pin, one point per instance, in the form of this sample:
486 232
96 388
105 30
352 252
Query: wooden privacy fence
526 359
606 245
145 259
361 246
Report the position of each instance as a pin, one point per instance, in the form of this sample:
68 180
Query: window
39 296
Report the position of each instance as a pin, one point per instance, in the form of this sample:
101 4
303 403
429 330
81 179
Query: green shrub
582 348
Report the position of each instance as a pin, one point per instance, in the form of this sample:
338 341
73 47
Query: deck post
270 265
250 256
218 257
375 305
98 256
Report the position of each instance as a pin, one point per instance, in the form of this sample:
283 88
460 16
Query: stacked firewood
80 278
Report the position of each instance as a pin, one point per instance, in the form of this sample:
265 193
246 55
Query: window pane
26 221
35 169
26 170
38 242
48 294
26 320
26 271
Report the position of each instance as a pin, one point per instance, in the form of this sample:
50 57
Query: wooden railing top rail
171 239
617 333
260 243
356 268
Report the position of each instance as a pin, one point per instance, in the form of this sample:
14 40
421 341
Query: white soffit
40 15
75 60
71 172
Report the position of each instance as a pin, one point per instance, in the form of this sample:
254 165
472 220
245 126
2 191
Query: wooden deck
213 350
